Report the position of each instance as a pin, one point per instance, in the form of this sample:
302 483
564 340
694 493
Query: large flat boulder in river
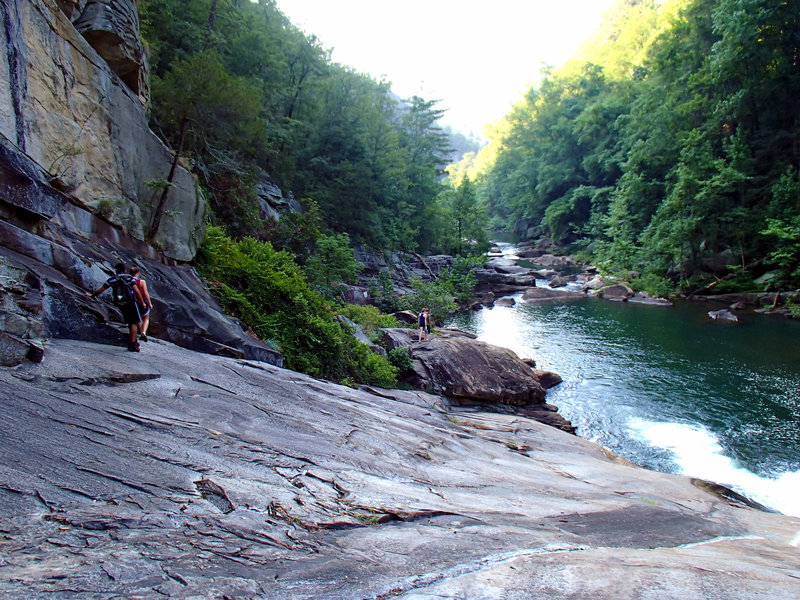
546 294
458 366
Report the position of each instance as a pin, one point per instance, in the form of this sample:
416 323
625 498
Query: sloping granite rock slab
172 473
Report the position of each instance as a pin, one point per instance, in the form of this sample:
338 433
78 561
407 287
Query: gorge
200 468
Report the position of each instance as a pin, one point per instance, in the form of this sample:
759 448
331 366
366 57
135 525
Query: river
668 388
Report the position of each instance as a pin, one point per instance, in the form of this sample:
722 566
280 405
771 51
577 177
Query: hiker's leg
145 324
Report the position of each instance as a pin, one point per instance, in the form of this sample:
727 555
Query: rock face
112 28
271 201
84 124
47 263
173 474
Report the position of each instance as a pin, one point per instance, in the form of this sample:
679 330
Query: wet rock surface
171 473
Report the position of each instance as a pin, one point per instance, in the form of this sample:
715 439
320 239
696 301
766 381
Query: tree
333 262
202 104
464 219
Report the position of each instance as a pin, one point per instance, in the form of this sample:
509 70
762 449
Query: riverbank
669 388
191 475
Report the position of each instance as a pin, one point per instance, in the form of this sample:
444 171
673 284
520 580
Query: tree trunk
212 16
162 202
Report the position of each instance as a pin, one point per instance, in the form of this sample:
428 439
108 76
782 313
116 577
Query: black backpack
122 289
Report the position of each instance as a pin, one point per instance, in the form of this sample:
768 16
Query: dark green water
668 388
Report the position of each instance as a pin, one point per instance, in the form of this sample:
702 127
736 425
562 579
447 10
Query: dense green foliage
670 148
332 263
238 91
266 290
369 318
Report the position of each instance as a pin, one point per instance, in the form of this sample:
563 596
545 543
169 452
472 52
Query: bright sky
475 56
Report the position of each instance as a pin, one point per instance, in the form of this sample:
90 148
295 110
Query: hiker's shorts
130 314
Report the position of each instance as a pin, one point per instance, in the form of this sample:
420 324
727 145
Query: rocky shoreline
187 475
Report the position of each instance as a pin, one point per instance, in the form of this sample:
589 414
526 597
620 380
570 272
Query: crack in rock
214 493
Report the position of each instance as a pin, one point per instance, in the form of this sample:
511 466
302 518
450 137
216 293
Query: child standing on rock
127 298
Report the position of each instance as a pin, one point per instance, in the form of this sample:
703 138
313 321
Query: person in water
127 299
146 307
424 325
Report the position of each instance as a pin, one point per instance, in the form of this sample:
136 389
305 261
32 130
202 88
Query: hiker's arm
138 294
97 292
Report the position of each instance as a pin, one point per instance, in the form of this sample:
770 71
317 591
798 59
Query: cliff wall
76 156
64 107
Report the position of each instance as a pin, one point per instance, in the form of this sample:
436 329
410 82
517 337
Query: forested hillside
668 147
238 90
244 97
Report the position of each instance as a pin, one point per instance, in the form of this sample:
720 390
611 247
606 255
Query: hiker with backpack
127 298
146 306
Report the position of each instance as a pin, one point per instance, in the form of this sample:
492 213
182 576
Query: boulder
529 253
463 368
723 315
546 273
547 379
550 260
490 280
505 301
541 294
558 281
13 349
487 299
644 298
593 284
406 316
512 270
618 291
498 263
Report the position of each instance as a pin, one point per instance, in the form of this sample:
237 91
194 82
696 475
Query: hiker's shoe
133 347
143 337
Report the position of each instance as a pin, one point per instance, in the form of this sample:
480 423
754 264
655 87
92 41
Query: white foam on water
697 453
